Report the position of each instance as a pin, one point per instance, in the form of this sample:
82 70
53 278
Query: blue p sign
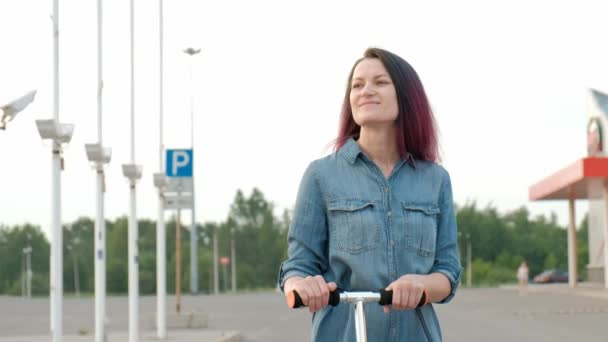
179 163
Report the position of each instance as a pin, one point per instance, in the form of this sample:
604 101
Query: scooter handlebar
386 298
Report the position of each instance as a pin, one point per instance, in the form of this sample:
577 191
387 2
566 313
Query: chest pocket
353 225
420 228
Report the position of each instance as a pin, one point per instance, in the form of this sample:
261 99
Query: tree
259 237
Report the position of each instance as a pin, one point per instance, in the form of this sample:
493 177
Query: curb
231 337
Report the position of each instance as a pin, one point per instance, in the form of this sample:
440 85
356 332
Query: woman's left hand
407 292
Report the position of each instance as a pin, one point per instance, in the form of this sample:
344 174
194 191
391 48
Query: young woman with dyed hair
377 213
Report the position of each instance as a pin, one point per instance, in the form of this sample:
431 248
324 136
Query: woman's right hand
314 291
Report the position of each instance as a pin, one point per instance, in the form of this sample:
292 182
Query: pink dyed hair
417 131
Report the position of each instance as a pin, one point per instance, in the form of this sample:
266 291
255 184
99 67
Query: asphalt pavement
547 313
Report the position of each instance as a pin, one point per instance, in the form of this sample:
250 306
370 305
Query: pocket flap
348 204
427 209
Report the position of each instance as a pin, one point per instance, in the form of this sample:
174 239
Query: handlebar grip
295 301
386 298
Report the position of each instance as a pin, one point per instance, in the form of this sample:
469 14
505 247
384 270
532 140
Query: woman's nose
368 89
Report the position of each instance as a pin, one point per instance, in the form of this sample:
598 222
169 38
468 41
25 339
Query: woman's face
373 99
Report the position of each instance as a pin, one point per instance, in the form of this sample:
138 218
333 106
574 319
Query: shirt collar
351 150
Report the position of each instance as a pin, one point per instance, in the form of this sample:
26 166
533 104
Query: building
585 179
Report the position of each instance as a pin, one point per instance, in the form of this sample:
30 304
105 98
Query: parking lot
547 313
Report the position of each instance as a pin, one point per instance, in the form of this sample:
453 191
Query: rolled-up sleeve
307 237
447 260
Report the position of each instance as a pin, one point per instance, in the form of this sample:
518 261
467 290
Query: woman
377 213
522 277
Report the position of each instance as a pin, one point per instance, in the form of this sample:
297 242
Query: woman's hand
407 292
314 291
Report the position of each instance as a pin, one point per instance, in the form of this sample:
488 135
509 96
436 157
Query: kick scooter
382 297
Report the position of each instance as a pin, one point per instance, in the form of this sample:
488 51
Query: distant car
552 276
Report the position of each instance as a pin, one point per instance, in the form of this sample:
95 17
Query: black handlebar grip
295 301
386 298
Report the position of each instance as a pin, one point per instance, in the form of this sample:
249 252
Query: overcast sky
508 81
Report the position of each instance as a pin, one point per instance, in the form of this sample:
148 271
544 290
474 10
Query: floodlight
160 180
97 153
132 171
53 130
10 110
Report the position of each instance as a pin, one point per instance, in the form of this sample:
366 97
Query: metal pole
233 259
193 230
178 261
572 272
216 280
29 272
193 248
56 229
76 276
133 253
161 247
100 226
469 268
225 273
605 230
133 271
57 249
360 325
23 275
161 273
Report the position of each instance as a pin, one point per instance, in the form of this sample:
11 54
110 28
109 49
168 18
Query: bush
488 274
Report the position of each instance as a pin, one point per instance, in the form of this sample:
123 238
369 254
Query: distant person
522 277
377 213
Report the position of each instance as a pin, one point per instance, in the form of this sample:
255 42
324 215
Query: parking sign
179 163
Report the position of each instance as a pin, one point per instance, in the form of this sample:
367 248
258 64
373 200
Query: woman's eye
356 85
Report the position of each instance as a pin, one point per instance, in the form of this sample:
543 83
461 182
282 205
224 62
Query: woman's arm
307 252
447 260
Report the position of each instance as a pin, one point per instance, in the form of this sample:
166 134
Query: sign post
178 195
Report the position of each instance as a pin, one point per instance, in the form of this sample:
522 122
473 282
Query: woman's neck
380 146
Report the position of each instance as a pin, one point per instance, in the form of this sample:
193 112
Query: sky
508 82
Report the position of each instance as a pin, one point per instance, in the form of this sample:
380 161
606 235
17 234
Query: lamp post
160 181
133 173
11 109
99 156
193 231
59 134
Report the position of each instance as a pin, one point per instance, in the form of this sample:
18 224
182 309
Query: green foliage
491 274
499 242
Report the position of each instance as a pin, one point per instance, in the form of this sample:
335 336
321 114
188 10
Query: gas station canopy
582 180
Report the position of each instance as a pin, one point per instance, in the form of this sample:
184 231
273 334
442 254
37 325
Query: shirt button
386 189
393 273
392 242
388 214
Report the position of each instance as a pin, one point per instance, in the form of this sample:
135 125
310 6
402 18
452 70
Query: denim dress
363 231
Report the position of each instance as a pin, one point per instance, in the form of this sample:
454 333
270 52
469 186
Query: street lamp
51 129
193 235
99 156
160 181
58 133
133 173
11 109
